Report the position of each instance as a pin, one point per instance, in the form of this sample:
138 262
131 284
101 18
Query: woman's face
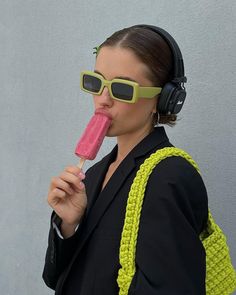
127 119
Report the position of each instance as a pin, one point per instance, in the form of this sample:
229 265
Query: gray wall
43 47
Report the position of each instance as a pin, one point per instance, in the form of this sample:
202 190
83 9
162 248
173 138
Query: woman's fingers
70 180
55 197
58 182
76 171
68 183
67 195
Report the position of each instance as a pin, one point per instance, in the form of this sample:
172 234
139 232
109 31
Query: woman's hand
67 197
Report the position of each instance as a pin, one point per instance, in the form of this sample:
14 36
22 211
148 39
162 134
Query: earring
156 118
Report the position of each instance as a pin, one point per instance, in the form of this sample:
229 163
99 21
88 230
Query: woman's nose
104 99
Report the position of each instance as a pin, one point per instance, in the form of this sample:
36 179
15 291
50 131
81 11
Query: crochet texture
220 274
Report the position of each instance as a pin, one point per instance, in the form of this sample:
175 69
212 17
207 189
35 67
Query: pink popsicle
92 138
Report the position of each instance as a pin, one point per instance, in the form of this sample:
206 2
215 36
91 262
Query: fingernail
82 175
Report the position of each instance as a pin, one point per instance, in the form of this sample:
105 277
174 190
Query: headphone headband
179 76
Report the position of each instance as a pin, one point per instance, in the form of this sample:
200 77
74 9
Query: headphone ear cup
171 99
165 97
179 99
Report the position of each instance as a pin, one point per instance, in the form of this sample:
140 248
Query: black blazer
170 258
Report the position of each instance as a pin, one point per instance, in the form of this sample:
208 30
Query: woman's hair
152 50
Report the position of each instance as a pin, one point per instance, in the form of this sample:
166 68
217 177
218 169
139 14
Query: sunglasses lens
122 91
92 84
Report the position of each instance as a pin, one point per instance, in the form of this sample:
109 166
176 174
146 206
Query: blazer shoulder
175 182
176 167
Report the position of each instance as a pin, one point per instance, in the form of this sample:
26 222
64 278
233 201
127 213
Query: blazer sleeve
170 258
59 254
60 251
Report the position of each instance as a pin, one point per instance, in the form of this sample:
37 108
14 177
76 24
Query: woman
89 209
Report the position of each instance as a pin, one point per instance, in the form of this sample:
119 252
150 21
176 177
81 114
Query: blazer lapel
97 204
97 210
96 177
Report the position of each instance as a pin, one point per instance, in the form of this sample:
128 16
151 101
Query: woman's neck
127 142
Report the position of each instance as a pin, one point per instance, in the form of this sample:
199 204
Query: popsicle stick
81 163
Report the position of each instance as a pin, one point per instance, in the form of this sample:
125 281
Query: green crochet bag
220 274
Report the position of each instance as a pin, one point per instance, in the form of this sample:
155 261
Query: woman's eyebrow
97 72
118 77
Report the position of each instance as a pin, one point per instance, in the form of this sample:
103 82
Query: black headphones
173 93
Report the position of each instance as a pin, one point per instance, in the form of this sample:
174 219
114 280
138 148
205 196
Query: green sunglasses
119 89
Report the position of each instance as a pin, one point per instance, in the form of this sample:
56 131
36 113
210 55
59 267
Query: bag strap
133 212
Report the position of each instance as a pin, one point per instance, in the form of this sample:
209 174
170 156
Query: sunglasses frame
138 91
